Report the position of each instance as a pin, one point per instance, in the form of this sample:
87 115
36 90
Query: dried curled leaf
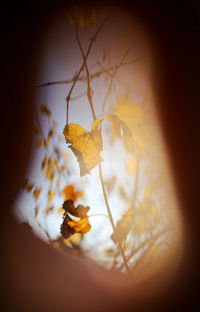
85 145
44 110
27 185
36 129
38 143
128 123
71 226
80 211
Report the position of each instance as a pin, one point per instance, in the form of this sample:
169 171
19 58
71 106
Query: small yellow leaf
44 110
44 162
85 145
36 129
59 211
27 185
38 143
50 195
56 245
81 226
131 165
128 123
70 193
123 226
58 183
52 132
36 193
46 143
47 172
48 209
36 211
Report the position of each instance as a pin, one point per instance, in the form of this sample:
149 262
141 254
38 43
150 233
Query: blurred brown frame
172 31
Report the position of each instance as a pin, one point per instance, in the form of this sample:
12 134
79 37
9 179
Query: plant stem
111 219
76 77
97 74
100 170
98 215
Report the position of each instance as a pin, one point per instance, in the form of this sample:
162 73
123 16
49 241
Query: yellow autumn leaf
52 132
36 129
50 195
47 172
48 209
85 145
36 211
70 193
44 162
38 143
81 226
59 211
131 165
27 185
123 226
45 110
36 193
128 122
46 143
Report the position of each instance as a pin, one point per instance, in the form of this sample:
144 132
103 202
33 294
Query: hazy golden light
135 170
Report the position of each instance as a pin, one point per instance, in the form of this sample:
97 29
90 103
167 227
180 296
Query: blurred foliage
144 219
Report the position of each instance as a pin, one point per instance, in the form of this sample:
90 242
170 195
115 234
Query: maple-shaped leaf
85 145
71 226
123 226
128 122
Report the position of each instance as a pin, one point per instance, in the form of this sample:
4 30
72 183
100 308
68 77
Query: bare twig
149 241
92 39
134 193
111 219
113 75
84 78
98 215
100 170
78 97
89 91
39 125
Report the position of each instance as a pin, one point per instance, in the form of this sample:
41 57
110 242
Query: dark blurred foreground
33 276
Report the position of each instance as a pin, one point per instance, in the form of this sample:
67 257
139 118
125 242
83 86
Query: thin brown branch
111 219
39 125
89 91
84 78
100 170
113 75
149 241
92 39
78 97
134 192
